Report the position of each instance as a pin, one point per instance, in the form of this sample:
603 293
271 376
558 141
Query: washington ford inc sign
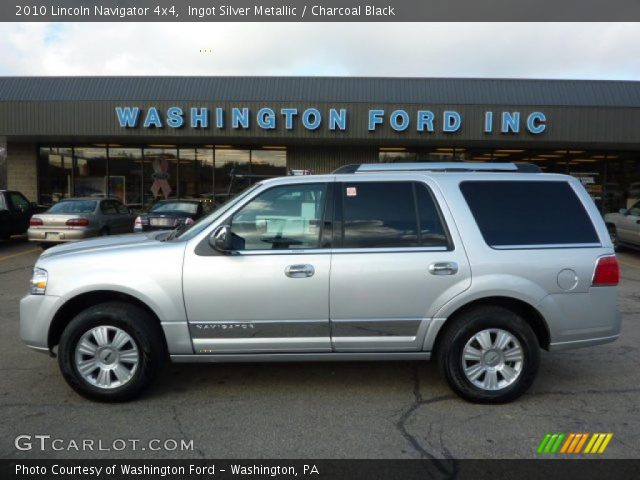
449 121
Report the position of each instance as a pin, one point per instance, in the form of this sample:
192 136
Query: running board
300 357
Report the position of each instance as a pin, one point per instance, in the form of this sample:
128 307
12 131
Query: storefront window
228 160
54 174
160 173
196 173
90 171
125 175
269 162
622 186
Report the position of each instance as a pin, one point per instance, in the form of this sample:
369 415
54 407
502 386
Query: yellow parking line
18 254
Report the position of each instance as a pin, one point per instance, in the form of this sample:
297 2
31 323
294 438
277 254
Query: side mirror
220 239
623 211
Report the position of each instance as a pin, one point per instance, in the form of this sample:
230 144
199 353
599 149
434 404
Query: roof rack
439 167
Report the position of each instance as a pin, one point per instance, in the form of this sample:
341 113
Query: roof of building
455 91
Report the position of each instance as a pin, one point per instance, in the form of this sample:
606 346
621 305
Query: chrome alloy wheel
492 359
106 357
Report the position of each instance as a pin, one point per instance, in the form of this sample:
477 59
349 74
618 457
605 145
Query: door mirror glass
220 239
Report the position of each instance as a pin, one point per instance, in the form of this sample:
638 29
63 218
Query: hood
112 241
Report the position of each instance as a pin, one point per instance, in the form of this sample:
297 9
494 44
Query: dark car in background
79 218
15 212
170 214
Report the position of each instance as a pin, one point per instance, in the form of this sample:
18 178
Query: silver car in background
79 218
624 227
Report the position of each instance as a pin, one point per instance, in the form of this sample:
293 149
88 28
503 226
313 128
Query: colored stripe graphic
572 443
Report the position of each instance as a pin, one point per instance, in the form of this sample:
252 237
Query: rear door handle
443 268
299 271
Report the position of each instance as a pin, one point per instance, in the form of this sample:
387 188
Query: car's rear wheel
613 235
111 351
104 231
489 355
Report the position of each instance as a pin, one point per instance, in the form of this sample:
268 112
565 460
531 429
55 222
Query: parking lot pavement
330 410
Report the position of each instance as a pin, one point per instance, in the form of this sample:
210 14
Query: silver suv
477 265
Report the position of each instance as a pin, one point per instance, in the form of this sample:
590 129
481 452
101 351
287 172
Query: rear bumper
582 319
63 234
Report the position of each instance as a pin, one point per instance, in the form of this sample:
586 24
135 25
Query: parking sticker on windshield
352 192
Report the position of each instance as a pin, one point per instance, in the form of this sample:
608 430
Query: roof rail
439 167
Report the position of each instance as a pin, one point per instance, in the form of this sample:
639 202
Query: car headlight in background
38 281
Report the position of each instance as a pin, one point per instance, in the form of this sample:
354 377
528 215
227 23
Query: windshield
73 206
186 207
205 221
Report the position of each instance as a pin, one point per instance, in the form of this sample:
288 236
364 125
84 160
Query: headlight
38 281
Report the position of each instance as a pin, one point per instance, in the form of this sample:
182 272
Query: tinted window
19 201
109 207
182 207
432 232
528 213
73 206
379 215
286 217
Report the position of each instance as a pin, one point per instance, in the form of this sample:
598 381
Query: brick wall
22 169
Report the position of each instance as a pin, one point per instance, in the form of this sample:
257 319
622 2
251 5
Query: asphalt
307 410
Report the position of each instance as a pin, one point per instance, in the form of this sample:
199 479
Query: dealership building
143 138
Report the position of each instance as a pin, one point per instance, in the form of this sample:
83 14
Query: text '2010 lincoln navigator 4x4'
477 265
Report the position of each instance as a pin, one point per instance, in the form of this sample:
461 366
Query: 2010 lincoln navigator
477 265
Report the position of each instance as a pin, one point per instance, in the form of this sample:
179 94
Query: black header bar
320 11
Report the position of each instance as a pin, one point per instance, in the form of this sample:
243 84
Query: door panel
271 294
247 303
379 301
393 262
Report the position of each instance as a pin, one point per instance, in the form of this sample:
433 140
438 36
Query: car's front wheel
111 351
489 355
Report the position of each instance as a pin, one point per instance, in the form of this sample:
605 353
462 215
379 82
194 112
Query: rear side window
528 213
390 215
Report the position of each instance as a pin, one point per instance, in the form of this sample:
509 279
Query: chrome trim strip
582 343
300 357
545 246
390 250
39 349
378 338
437 167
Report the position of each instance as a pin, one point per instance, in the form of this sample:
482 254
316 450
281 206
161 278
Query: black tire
464 327
138 324
104 231
613 234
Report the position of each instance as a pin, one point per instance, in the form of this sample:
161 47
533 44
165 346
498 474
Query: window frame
339 224
285 251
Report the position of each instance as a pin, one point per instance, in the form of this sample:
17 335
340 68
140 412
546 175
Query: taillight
77 222
35 222
607 272
138 222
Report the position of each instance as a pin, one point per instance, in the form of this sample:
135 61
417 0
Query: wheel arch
76 304
527 311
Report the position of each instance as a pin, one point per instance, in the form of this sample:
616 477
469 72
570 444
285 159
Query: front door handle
299 271
443 268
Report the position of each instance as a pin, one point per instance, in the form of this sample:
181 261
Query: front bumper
59 235
36 314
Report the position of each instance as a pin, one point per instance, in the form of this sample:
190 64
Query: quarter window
517 213
285 217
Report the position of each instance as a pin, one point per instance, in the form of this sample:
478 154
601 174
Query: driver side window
285 217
